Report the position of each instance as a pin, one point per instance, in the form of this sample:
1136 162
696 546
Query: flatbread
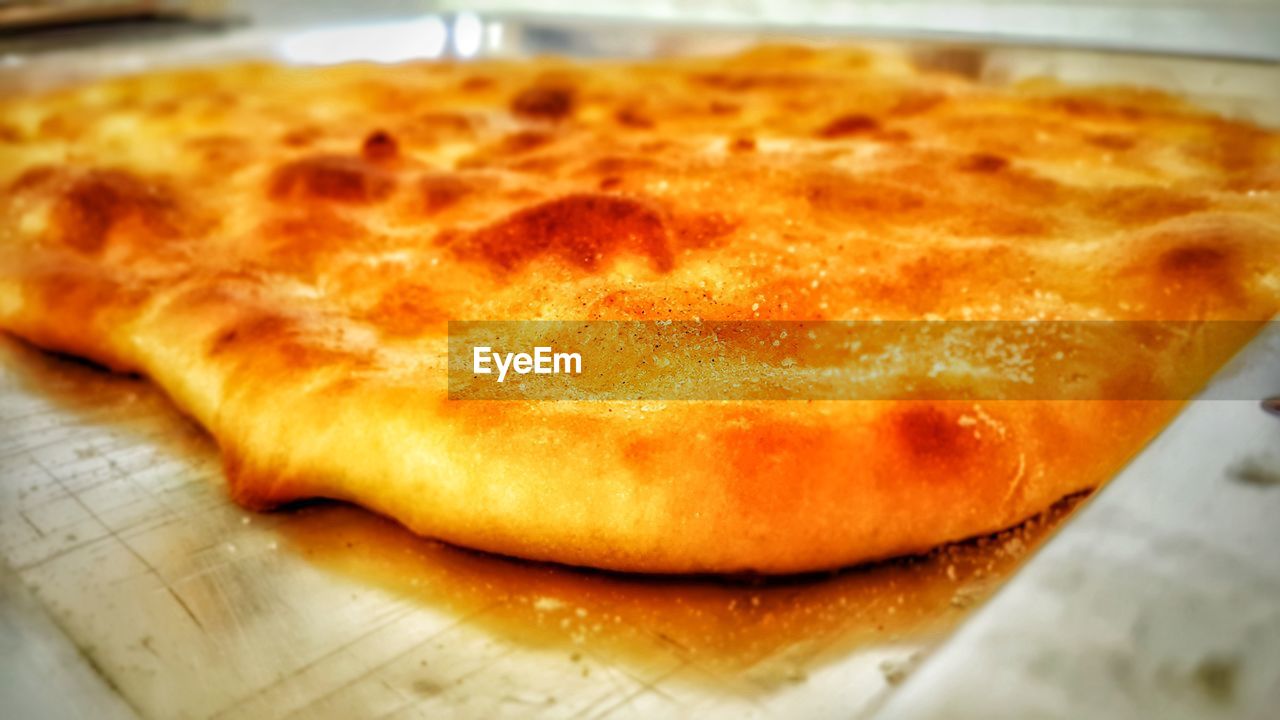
280 250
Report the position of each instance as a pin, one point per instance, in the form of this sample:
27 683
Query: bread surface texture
280 249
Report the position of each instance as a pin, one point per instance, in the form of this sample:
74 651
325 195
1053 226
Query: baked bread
280 249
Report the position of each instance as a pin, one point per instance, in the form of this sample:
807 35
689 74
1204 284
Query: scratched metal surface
114 516
1161 599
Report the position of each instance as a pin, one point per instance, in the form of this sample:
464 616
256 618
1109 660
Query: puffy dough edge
689 506
720 488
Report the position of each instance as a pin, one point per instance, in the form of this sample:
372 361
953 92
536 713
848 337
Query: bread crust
280 249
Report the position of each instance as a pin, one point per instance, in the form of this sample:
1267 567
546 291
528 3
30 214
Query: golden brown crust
280 250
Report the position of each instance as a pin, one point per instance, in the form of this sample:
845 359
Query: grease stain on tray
724 623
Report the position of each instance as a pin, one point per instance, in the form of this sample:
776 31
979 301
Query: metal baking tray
133 587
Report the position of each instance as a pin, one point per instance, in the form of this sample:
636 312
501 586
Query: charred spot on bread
581 230
984 163
94 203
545 102
848 126
379 146
332 178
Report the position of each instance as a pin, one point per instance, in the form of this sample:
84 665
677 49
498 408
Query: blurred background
1228 28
